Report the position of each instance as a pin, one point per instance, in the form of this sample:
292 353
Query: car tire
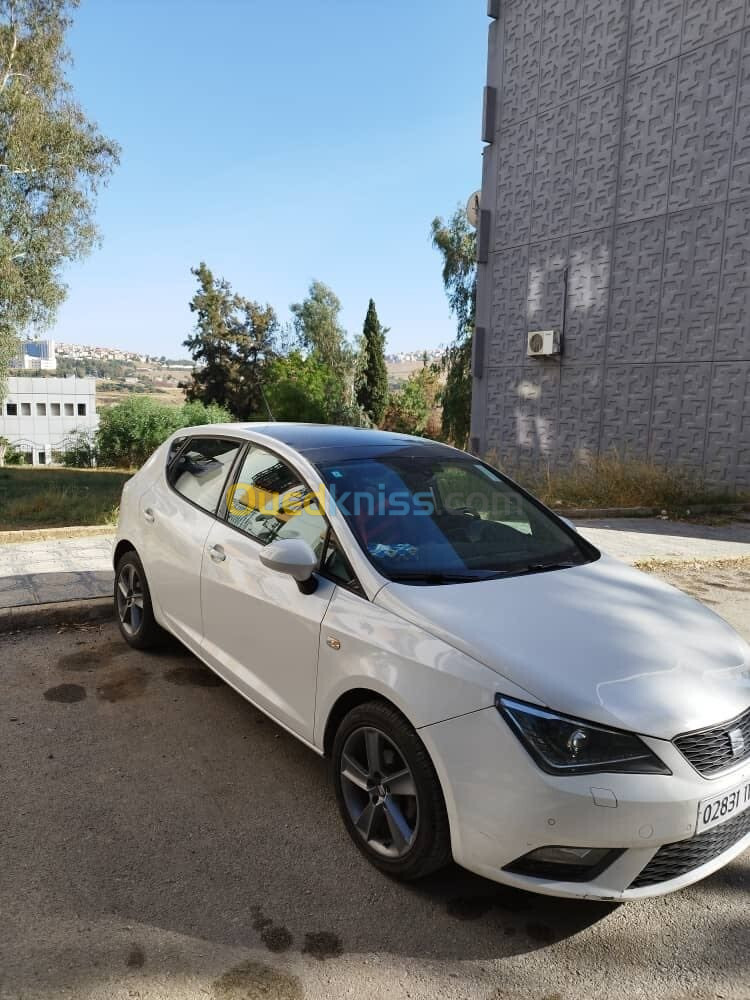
133 608
388 793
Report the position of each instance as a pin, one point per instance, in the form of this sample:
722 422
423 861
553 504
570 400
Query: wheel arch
344 704
121 548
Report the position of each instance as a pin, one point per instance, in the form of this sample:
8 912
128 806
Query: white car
488 686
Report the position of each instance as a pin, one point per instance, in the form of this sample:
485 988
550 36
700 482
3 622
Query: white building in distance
36 355
39 415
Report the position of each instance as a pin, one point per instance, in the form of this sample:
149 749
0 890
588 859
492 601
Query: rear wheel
135 614
388 793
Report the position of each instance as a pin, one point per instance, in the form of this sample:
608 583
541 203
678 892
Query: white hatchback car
487 684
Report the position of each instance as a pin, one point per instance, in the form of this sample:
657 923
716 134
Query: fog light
565 864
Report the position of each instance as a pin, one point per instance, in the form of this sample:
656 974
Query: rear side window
174 449
200 472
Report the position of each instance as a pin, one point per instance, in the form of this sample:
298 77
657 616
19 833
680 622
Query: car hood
603 642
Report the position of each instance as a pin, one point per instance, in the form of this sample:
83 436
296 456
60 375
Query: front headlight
561 745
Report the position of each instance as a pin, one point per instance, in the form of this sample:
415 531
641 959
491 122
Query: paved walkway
76 568
60 570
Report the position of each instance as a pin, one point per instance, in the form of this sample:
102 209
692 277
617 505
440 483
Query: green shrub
80 451
130 431
8 454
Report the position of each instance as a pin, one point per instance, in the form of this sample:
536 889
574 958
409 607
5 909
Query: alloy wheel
380 792
130 599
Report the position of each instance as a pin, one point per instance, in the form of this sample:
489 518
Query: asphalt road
160 838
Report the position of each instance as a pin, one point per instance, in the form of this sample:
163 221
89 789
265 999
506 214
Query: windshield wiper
543 567
436 577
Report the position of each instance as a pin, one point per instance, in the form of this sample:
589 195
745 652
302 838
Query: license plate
712 812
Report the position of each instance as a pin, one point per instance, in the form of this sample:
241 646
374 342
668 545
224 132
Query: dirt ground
163 840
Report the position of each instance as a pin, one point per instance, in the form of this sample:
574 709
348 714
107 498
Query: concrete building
36 355
39 415
615 213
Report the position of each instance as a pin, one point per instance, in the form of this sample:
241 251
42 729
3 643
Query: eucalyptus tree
52 161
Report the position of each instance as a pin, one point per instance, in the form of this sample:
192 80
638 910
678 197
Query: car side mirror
294 557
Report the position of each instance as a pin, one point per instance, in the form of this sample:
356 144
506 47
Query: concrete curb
92 609
51 534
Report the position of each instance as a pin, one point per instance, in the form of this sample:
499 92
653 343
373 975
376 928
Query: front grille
712 750
678 859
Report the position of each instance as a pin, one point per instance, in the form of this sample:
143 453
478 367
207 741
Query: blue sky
279 142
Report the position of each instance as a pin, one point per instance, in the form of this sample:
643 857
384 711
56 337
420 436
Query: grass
613 481
52 498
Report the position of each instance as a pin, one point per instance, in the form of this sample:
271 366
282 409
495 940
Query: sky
280 141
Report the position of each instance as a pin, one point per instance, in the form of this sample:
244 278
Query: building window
81 409
42 458
11 409
55 409
41 409
69 410
25 409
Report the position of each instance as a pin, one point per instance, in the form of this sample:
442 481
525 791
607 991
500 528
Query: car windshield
447 520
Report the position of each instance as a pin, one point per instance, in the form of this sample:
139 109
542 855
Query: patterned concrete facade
616 204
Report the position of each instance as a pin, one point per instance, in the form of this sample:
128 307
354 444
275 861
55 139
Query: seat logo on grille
738 742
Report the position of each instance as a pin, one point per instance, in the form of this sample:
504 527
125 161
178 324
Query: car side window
174 449
270 501
337 567
200 472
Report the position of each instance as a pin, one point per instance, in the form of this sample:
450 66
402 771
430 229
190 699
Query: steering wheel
468 511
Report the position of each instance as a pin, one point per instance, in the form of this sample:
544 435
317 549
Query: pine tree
234 343
372 392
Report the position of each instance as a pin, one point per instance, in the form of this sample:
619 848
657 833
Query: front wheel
135 614
388 793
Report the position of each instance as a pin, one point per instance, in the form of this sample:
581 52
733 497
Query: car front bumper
501 807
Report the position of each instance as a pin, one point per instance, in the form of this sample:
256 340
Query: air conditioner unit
542 343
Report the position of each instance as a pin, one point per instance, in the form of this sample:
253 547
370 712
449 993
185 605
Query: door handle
217 553
148 515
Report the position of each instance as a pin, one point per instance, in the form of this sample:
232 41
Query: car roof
321 443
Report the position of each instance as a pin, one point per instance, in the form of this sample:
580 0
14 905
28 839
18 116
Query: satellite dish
472 209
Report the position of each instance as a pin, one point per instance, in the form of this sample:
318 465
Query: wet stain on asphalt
66 694
122 686
136 957
322 945
256 981
275 937
469 907
193 675
92 658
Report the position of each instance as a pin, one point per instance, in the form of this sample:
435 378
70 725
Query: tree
316 321
233 345
322 337
372 392
456 241
410 408
300 388
52 162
